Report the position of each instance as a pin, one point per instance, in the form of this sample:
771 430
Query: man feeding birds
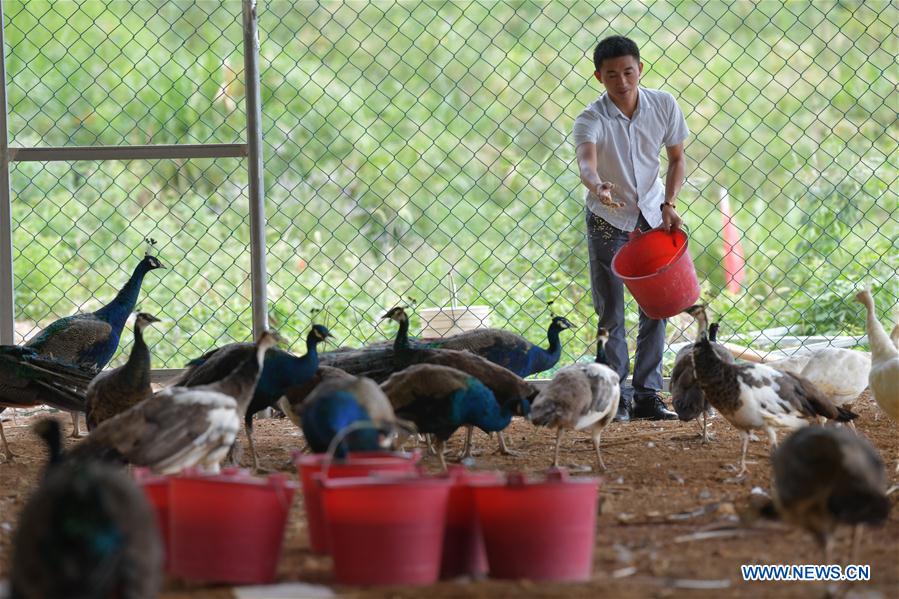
618 138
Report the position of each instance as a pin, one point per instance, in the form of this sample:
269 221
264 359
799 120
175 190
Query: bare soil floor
661 487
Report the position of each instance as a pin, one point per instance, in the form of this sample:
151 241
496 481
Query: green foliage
416 148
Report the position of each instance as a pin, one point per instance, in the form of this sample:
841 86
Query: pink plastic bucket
228 528
657 269
355 465
541 529
386 530
463 541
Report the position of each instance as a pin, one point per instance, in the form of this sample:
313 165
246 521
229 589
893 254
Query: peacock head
150 261
521 407
143 320
602 335
398 314
698 311
318 333
561 323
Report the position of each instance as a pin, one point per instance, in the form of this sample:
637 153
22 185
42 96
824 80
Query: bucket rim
271 481
385 481
318 459
675 258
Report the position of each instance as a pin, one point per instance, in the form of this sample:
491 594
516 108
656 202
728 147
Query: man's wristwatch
663 204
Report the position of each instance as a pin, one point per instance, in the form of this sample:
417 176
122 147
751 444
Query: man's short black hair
614 47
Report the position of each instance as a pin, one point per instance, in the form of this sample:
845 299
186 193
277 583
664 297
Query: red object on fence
734 264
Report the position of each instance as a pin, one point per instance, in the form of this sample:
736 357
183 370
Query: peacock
686 394
294 397
505 385
753 396
580 396
86 531
180 427
89 340
338 403
508 349
114 391
376 361
828 476
439 399
29 379
281 371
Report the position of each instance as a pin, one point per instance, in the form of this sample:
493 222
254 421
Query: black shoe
651 407
625 405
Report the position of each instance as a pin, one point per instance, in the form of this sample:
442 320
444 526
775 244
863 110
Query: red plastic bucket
156 490
228 528
355 465
463 541
386 530
658 271
540 530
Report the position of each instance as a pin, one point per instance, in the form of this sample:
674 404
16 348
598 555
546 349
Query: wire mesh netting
423 150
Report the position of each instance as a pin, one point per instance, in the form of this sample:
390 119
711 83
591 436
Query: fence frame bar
7 290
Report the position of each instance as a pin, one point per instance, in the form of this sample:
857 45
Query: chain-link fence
423 150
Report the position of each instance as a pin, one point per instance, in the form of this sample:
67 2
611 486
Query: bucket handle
637 233
386 427
278 482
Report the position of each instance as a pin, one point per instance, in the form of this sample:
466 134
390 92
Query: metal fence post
254 141
7 301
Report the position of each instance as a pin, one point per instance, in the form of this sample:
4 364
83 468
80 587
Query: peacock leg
441 447
558 442
466 450
745 435
248 428
503 448
76 424
596 440
705 428
6 450
772 437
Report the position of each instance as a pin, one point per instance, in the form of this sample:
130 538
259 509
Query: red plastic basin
229 527
463 541
386 530
657 269
539 529
355 465
156 489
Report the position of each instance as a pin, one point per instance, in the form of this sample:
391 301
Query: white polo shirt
627 153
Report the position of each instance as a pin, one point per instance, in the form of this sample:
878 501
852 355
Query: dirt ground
661 487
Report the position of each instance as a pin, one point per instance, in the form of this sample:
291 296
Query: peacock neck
708 366
241 382
139 361
555 345
601 354
312 351
117 311
878 340
401 342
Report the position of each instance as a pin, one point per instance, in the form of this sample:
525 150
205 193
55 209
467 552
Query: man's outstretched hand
604 192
